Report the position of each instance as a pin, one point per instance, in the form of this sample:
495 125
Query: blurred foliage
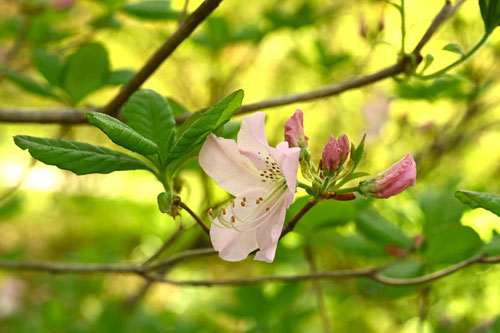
56 53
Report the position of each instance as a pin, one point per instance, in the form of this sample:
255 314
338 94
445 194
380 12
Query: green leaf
28 84
357 154
86 71
81 158
375 227
400 270
427 61
487 201
152 10
207 122
150 115
122 134
451 244
120 77
490 12
49 65
107 21
455 48
352 176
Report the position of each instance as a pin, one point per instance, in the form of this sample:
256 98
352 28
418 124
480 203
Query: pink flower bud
344 148
335 153
294 130
392 181
331 155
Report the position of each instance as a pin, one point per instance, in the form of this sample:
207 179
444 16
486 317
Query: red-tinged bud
392 181
335 153
344 148
331 155
294 130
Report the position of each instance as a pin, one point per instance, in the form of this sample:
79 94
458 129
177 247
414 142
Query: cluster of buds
338 163
335 154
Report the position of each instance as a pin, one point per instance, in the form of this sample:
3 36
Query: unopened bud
335 153
392 181
294 130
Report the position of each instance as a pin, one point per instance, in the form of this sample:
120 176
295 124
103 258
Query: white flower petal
222 161
269 233
288 160
231 244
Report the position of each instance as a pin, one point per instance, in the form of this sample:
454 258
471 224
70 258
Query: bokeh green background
268 48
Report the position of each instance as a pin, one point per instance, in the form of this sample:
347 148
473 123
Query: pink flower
262 179
335 153
294 130
392 181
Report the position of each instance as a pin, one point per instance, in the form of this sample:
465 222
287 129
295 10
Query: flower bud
294 130
392 181
335 153
344 148
331 155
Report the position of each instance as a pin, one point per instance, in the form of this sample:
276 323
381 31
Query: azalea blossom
263 181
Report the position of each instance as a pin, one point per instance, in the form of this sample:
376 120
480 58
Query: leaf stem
348 190
459 61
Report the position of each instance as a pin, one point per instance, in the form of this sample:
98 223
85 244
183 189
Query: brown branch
181 257
72 116
371 272
183 31
293 222
195 217
78 116
65 268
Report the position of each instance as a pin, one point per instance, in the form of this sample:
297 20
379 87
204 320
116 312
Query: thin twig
65 268
195 217
78 116
165 246
183 31
293 222
181 257
371 272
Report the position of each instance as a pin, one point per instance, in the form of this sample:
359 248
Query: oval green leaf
207 122
150 115
122 134
487 201
78 157
85 71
